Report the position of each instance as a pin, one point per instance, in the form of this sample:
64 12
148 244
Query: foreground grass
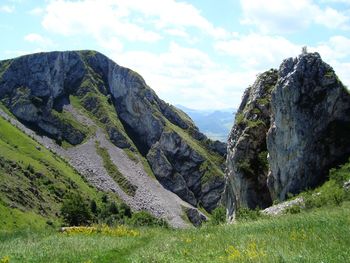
322 235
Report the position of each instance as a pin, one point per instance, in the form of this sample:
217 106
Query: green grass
33 180
113 171
12 219
132 155
318 236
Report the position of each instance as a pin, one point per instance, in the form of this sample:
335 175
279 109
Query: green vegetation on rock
113 171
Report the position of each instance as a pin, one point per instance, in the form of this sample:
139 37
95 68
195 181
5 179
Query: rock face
298 118
247 167
36 88
310 125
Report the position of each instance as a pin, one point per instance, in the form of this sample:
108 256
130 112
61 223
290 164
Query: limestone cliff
292 126
247 167
310 126
37 88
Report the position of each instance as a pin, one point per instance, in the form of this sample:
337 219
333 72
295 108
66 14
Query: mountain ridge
55 93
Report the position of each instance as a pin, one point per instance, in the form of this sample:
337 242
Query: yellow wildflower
233 253
5 259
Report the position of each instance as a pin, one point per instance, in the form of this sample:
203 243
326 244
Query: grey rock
36 87
310 126
218 147
195 217
300 120
246 162
346 185
282 207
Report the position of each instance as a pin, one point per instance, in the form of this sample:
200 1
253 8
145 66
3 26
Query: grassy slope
38 189
318 236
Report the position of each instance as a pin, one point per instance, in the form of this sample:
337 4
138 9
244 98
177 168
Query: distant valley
216 124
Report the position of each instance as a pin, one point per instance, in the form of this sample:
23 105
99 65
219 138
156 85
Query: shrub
328 194
340 175
113 209
218 215
125 210
104 198
144 218
75 211
93 207
293 209
246 214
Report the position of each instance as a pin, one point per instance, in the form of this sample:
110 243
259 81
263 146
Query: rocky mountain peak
310 125
291 127
39 88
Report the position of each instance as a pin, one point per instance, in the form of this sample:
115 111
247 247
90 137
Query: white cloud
37 11
336 53
7 9
189 77
259 52
289 15
126 19
336 1
39 40
174 14
336 48
333 19
96 18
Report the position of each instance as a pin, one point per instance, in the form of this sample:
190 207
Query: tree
75 211
93 207
125 210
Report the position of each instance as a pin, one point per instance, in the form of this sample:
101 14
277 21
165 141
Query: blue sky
199 53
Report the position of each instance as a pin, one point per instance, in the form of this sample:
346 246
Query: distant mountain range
215 124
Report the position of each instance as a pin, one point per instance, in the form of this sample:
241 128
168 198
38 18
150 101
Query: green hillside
318 232
33 181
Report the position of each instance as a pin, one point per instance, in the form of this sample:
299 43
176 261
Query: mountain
215 124
114 131
292 126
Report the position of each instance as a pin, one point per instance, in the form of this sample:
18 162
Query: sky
201 54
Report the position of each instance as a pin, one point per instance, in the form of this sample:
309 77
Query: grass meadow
320 235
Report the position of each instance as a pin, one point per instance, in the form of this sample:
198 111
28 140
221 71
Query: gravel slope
150 195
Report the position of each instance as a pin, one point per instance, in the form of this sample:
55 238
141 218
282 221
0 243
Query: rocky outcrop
36 88
297 119
310 126
33 86
247 167
195 217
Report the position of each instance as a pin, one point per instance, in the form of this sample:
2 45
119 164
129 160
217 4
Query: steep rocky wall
247 167
35 88
310 125
299 119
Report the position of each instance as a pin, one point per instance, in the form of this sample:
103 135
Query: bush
246 214
93 207
218 215
75 211
125 210
341 174
144 218
293 209
328 194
